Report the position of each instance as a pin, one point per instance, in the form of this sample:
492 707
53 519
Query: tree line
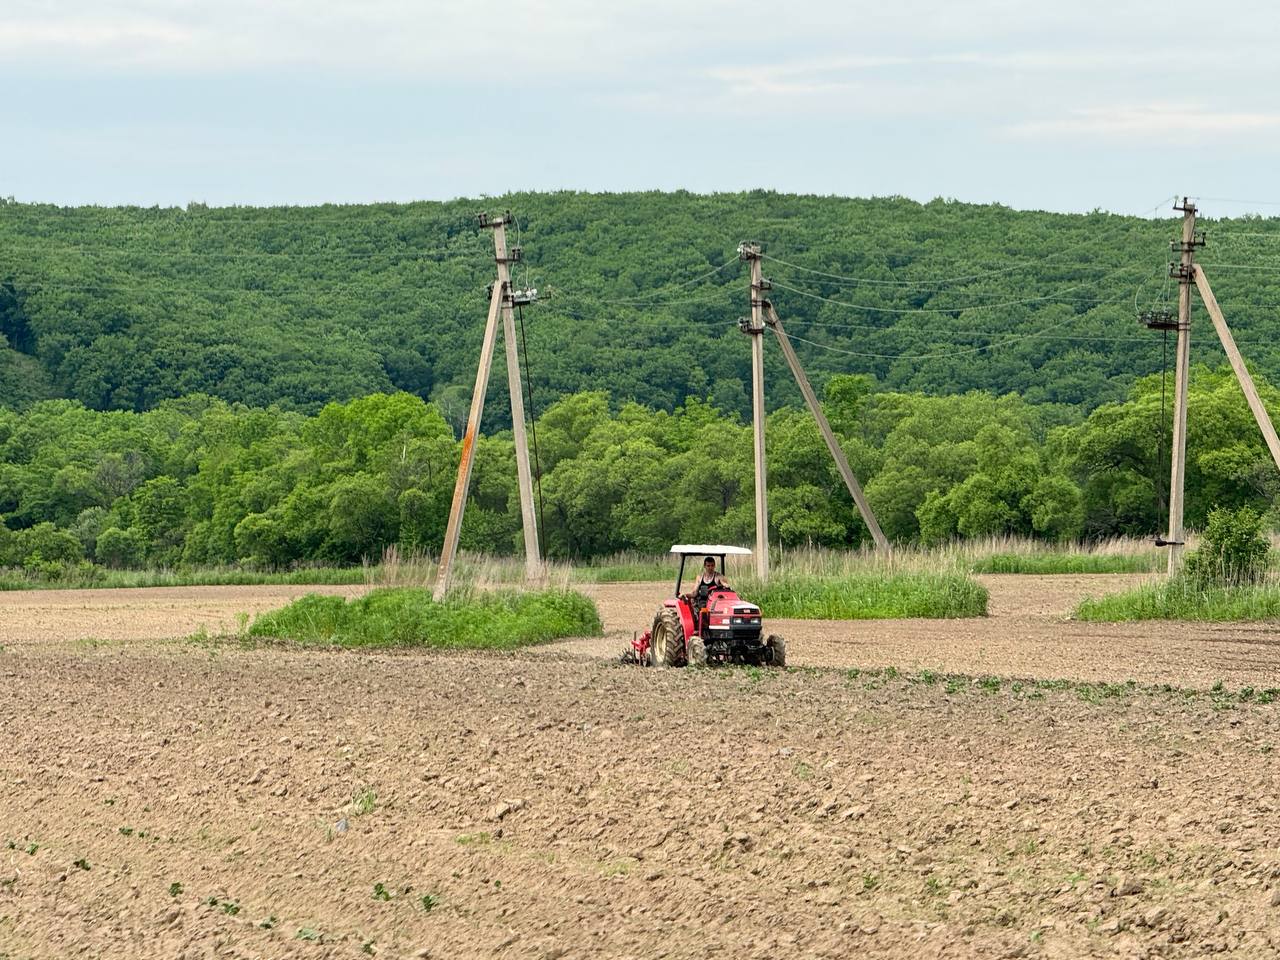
199 480
123 308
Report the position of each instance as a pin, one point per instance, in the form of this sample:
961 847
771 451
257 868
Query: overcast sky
1059 106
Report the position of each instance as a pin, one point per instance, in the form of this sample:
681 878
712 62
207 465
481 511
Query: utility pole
1237 364
501 300
750 252
824 427
1185 272
532 556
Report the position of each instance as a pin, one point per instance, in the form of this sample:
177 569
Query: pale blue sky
1036 105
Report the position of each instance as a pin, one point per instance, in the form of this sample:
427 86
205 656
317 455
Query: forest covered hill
121 308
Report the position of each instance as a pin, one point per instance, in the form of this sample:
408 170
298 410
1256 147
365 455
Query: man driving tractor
706 623
709 577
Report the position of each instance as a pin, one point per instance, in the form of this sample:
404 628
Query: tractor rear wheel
778 646
696 652
666 642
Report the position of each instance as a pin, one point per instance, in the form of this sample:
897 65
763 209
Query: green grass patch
889 596
1062 562
1182 600
408 617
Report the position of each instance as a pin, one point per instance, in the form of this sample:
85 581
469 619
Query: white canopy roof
710 550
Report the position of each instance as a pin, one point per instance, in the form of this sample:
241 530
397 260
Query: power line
182 287
1009 336
955 352
175 216
709 297
1241 266
837 324
86 250
1258 203
938 355
933 332
960 309
693 280
841 278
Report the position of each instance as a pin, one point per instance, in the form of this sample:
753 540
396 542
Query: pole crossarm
1237 364
824 427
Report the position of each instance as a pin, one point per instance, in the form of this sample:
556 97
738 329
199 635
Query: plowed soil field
190 798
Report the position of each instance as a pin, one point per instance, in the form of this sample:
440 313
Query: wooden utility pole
1184 271
500 301
833 445
1237 364
751 253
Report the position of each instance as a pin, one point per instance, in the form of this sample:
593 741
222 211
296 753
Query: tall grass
101 577
418 569
408 617
1021 555
1050 563
628 566
1181 599
886 596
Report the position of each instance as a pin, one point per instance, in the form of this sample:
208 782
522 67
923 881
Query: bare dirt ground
198 799
1028 634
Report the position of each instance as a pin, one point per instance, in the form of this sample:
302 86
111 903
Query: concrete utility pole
833 445
750 252
500 301
1184 271
1237 364
532 555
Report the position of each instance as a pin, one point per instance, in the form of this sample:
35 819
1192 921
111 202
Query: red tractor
711 625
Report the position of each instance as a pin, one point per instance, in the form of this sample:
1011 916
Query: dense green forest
122 308
200 481
272 386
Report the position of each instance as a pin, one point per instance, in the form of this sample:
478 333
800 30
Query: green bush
46 543
406 617
1234 552
64 573
120 548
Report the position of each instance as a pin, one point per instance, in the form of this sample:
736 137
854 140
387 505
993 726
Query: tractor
708 627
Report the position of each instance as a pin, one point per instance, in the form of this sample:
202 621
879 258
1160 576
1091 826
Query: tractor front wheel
666 641
778 648
696 652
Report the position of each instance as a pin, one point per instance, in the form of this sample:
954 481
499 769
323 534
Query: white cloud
1144 123
473 37
107 40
